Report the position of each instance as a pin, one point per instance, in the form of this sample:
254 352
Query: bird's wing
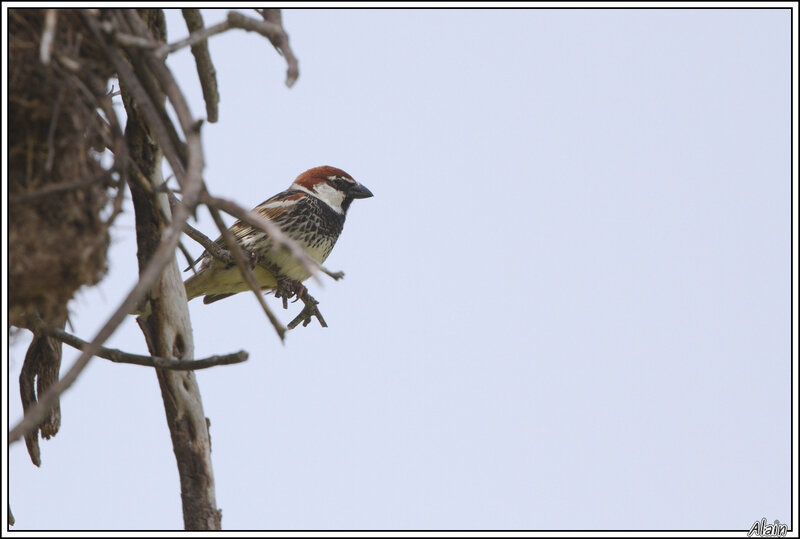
274 208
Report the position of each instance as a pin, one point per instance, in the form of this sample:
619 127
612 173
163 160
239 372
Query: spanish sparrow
311 212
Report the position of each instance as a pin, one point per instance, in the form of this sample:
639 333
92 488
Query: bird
311 211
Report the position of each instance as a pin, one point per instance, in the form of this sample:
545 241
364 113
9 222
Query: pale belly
220 280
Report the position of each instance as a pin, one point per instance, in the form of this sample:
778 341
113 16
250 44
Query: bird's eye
342 183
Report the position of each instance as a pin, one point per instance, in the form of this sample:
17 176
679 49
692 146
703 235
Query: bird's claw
288 289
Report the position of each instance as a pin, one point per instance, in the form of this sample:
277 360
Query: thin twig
310 309
51 132
118 356
114 140
187 255
193 38
272 31
281 42
212 248
121 154
335 275
247 273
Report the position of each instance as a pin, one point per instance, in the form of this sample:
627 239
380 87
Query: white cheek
333 197
299 187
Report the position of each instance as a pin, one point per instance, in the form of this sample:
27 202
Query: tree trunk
167 329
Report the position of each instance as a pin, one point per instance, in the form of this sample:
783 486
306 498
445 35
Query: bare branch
194 38
118 356
281 42
211 247
205 67
144 102
191 128
268 28
153 75
335 275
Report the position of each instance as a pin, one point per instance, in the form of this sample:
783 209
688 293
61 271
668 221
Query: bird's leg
285 288
310 310
289 288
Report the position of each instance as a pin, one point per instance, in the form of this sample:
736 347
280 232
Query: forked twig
118 356
310 310
273 31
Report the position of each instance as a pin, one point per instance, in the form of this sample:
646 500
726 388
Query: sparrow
311 212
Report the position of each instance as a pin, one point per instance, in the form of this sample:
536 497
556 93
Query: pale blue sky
566 306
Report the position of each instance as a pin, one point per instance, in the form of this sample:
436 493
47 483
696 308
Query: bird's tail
217 281
196 284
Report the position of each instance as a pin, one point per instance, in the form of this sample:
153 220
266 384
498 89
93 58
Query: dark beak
359 191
